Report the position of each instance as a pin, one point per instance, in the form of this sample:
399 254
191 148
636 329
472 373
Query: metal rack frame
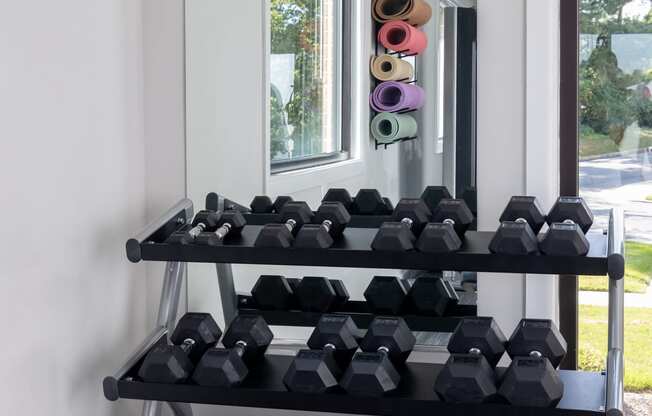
612 261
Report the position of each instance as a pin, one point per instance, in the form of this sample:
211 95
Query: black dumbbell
536 348
245 341
410 217
469 375
340 195
433 195
193 336
520 223
293 216
230 225
332 345
310 294
428 295
263 204
568 220
204 220
449 222
318 294
275 293
370 202
386 345
331 220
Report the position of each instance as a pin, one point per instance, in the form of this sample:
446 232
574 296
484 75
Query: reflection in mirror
287 112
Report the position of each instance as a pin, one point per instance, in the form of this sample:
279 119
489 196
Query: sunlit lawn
638 347
594 144
638 271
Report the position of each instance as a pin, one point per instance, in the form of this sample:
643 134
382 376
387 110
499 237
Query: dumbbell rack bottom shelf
354 251
584 394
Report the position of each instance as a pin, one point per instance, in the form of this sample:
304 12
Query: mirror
278 103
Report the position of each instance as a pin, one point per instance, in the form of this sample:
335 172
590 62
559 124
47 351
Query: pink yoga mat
401 37
392 96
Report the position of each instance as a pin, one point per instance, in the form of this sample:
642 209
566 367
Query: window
615 169
306 111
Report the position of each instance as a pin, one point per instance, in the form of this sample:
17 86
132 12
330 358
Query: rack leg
227 292
167 315
180 409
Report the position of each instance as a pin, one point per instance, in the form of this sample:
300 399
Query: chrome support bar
184 207
616 265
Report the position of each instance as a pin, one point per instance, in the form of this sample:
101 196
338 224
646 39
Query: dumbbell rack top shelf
354 250
585 393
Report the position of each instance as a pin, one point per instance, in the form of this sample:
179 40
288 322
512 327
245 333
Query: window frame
343 90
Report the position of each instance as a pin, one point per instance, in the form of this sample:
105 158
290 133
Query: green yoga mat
388 127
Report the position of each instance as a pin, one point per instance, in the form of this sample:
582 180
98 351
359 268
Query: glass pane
305 73
615 170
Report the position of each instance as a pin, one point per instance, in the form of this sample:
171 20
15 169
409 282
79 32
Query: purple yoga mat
392 96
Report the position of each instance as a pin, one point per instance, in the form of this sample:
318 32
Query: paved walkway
632 300
620 181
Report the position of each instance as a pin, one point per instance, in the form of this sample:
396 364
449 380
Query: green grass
638 271
638 349
595 144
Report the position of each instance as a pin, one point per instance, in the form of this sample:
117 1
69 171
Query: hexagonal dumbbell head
438 238
317 294
275 236
533 382
193 336
210 219
280 202
392 334
246 339
338 195
332 343
368 202
527 208
466 378
388 207
454 210
564 239
514 238
331 220
386 295
573 209
261 204
388 342
299 212
433 195
538 335
432 296
394 236
273 293
478 333
234 221
370 374
415 210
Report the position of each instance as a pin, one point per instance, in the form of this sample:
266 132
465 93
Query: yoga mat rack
415 79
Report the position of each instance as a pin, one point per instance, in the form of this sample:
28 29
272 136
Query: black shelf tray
362 316
354 250
263 388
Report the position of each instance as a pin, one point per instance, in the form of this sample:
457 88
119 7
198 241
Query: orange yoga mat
415 12
390 68
401 37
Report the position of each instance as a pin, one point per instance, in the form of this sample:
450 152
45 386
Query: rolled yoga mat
401 37
392 96
390 68
389 127
415 12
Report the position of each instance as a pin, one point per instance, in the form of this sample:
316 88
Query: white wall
73 189
518 84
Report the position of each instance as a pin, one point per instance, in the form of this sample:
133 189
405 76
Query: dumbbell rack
585 393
